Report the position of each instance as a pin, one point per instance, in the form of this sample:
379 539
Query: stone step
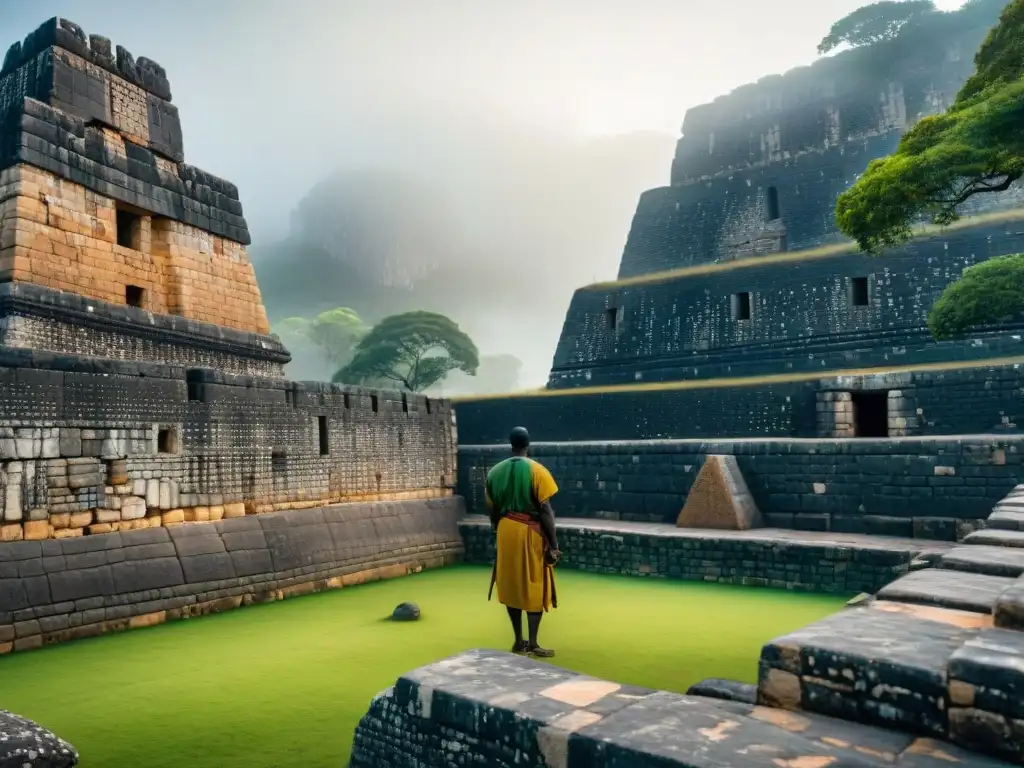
1009 609
1006 518
986 693
492 708
947 589
979 558
996 537
860 664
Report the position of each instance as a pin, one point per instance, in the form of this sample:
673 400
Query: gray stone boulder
406 612
23 744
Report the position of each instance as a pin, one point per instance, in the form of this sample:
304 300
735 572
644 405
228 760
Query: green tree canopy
975 147
414 350
874 23
988 293
335 333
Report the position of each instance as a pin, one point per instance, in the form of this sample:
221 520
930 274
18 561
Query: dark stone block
729 690
991 663
75 585
994 561
153 573
947 589
208 567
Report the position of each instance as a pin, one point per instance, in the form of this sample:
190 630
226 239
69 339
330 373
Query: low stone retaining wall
928 487
807 561
59 589
494 709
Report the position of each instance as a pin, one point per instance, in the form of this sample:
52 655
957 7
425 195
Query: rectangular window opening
325 438
347 403
771 204
373 403
427 400
611 317
405 403
278 462
741 306
859 296
166 440
129 228
134 296
870 414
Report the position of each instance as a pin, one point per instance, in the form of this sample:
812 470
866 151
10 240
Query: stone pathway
937 652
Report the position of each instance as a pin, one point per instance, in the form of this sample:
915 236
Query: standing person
519 492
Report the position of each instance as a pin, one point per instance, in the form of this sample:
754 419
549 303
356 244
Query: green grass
285 684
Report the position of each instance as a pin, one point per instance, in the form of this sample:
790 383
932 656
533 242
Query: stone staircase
938 652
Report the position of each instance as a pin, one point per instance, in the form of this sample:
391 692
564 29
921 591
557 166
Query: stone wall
943 399
814 311
92 446
52 591
769 558
925 488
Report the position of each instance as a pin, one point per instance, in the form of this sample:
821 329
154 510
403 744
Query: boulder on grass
406 612
24 743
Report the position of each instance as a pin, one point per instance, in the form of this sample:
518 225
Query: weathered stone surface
947 589
74 583
837 661
1011 519
994 561
720 498
496 709
799 560
406 612
24 744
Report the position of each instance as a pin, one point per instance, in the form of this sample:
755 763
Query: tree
335 333
413 349
975 147
874 23
987 293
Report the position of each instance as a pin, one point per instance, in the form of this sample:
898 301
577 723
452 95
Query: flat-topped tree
975 147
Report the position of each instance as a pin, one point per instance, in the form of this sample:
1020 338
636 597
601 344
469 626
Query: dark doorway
771 204
870 414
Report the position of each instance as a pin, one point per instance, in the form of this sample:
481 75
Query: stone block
994 561
948 589
719 498
232 510
133 508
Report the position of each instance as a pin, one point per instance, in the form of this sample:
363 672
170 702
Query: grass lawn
285 684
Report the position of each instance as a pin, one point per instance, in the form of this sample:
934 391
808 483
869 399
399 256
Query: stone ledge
798 560
29 299
496 709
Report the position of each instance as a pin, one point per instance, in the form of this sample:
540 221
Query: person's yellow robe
517 487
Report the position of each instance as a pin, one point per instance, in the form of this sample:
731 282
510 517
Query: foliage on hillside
988 293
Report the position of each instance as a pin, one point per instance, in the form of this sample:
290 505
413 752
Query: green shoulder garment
510 486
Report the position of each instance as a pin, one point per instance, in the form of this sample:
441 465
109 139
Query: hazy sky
273 92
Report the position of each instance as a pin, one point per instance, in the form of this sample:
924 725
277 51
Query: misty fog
528 128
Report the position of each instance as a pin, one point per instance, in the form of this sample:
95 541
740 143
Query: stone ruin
156 465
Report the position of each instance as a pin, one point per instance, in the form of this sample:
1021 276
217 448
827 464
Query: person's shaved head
519 439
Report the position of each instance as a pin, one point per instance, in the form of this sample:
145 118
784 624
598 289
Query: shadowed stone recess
494 709
24 744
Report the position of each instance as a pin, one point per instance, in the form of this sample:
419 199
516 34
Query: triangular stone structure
720 498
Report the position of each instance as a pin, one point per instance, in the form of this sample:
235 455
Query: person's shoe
540 653
520 648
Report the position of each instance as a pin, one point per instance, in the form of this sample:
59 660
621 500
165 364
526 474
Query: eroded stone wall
94 446
924 488
53 591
